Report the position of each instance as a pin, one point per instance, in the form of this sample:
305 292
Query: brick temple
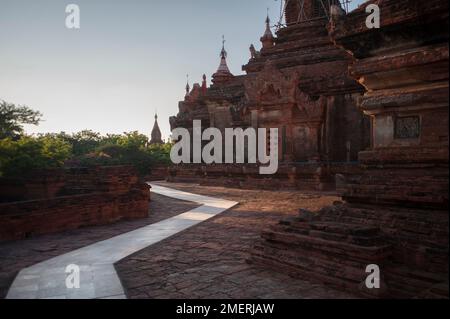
364 107
298 82
395 213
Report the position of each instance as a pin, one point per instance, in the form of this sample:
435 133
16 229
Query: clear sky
129 59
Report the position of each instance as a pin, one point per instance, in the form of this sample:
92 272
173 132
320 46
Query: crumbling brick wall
78 197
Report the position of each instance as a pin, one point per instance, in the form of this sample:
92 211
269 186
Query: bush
20 157
109 155
127 149
87 148
20 154
161 153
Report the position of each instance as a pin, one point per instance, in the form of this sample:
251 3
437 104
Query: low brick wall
102 195
305 176
11 190
158 173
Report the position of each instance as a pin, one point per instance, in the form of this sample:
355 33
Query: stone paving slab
98 278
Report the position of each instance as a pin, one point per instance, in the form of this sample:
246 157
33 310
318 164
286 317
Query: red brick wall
305 176
158 173
108 194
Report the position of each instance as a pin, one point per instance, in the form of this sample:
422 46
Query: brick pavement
209 260
16 255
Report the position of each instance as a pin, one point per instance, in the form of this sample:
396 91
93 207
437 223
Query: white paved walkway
98 278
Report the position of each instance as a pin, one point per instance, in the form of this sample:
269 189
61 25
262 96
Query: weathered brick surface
401 195
337 244
79 197
209 260
303 176
158 173
301 86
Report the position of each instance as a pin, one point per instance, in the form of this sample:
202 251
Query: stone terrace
209 260
15 255
206 261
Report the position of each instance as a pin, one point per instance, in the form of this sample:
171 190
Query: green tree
13 117
133 140
85 142
160 153
21 156
128 149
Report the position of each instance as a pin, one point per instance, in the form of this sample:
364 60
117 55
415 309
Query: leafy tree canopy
20 154
13 117
19 157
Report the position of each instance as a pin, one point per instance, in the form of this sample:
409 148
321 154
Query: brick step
403 282
303 246
404 287
333 274
345 252
341 264
333 253
345 233
308 259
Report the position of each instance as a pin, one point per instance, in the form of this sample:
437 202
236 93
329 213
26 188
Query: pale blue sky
129 59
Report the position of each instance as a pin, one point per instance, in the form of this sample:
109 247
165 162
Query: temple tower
156 137
223 74
267 39
303 10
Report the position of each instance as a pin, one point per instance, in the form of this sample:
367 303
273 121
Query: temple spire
223 53
156 136
223 67
268 40
223 73
188 88
204 85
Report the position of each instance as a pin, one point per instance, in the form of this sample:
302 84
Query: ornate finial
223 53
204 85
188 88
267 39
267 21
223 73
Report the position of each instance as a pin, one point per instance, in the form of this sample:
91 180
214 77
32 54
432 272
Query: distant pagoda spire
223 73
267 40
204 85
187 88
156 137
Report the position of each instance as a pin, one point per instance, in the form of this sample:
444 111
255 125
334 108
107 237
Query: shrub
19 157
87 148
